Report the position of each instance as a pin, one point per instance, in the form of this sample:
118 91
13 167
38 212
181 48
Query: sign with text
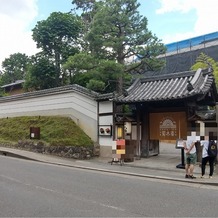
167 125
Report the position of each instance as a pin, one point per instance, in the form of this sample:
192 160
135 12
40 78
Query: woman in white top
206 158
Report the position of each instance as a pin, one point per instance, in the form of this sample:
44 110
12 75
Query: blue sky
169 20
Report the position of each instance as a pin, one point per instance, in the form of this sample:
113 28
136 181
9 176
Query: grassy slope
54 130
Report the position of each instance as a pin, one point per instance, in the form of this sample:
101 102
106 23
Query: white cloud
182 6
15 18
206 20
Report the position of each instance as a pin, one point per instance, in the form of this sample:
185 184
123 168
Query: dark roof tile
61 89
169 87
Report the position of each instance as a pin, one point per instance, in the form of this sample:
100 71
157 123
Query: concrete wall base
106 151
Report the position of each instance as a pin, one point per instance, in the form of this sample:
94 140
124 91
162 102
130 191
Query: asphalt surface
163 166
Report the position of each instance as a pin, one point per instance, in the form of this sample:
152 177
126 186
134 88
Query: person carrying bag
209 154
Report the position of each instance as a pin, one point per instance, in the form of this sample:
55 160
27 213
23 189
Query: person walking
190 157
207 157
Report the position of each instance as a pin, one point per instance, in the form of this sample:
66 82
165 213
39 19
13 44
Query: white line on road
54 191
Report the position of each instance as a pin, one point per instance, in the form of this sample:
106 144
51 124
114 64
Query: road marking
57 192
26 184
10 178
113 207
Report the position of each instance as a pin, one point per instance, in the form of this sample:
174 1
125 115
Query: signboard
167 125
180 143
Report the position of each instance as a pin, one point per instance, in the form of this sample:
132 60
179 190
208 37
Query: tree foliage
115 31
97 74
41 74
203 61
14 68
103 47
57 36
119 33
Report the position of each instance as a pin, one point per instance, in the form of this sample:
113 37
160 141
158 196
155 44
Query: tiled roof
103 97
169 87
15 83
206 115
68 88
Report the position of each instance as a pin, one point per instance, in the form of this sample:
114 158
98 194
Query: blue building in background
182 55
198 41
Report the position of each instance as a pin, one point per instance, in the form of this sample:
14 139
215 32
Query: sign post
179 145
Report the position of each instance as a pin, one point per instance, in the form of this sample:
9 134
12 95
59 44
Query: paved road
34 189
162 166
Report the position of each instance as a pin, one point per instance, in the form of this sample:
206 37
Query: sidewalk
162 166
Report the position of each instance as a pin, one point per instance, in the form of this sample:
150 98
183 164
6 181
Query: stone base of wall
106 151
75 152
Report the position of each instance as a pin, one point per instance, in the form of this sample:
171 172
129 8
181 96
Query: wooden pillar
145 131
138 130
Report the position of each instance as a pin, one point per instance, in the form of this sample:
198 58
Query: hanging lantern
127 127
119 132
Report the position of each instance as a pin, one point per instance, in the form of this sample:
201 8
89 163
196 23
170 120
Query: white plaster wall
105 107
81 108
106 118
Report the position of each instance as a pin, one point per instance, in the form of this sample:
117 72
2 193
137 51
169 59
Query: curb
11 154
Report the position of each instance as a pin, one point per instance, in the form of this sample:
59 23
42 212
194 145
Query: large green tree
14 68
57 37
117 32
